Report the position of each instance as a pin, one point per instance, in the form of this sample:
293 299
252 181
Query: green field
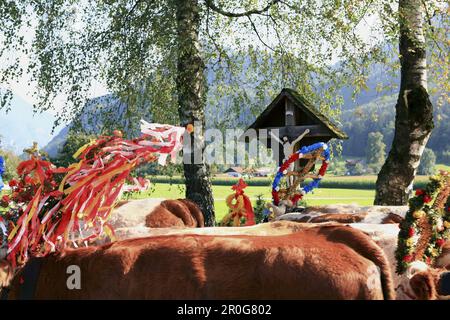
332 182
320 196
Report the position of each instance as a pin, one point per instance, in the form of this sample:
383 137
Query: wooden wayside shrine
292 114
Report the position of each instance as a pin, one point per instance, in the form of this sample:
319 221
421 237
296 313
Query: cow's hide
264 229
132 213
320 262
195 212
422 282
443 261
433 284
349 214
385 235
6 273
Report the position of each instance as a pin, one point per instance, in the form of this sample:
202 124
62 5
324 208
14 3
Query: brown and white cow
433 284
325 262
443 261
157 213
384 235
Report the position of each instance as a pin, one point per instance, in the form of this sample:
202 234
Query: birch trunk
191 88
414 111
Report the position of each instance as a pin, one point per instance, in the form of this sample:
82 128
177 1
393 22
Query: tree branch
216 45
130 12
275 23
257 34
215 8
430 23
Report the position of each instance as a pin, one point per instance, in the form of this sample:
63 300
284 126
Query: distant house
249 171
351 166
263 172
351 163
234 171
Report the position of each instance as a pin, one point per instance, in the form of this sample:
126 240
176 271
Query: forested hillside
371 110
379 116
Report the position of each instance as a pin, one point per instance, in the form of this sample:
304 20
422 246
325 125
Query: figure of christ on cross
288 150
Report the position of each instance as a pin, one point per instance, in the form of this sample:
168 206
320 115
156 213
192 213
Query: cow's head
432 284
422 282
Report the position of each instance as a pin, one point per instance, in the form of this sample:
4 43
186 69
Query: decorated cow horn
426 227
424 221
444 193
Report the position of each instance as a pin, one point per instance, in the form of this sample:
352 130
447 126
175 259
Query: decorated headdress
50 206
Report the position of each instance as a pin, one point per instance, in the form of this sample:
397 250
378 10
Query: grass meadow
320 196
333 189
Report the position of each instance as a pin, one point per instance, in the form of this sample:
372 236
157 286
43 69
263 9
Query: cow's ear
423 286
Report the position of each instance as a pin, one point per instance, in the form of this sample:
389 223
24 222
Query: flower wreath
299 154
425 228
239 205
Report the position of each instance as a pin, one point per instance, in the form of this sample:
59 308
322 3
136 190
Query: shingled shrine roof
266 117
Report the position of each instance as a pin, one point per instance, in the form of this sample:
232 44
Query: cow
422 282
384 235
263 229
154 213
319 262
443 261
433 284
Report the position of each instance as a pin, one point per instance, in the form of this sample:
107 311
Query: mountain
20 126
377 77
97 116
56 142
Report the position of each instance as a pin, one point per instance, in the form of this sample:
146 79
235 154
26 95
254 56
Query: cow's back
315 263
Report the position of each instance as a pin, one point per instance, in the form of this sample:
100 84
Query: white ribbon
3 228
166 135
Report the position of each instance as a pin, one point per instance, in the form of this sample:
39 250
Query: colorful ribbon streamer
51 215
